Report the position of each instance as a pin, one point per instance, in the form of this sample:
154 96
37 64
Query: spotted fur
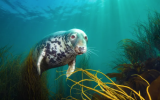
54 51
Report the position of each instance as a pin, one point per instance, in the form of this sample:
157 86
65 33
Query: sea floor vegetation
9 74
34 86
137 77
18 80
105 92
140 56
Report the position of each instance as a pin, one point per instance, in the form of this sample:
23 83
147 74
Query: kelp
61 86
9 74
154 90
34 86
117 75
147 44
148 69
142 53
83 63
134 51
140 56
18 80
138 84
105 92
152 30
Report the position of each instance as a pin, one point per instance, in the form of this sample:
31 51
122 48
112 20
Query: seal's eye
86 37
73 36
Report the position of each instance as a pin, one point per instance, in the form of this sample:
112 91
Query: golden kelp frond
154 90
105 91
34 86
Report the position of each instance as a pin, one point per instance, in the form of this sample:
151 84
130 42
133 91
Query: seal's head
79 40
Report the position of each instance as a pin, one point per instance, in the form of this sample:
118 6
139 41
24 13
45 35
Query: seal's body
59 49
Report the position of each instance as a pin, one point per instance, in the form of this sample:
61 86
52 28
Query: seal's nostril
81 49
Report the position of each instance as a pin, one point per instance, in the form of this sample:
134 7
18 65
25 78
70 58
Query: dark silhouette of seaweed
34 86
18 79
140 56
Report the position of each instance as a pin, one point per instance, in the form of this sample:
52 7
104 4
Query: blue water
106 22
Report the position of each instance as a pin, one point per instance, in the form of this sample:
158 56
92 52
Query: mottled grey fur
58 49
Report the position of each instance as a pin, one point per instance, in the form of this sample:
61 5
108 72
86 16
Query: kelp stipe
83 63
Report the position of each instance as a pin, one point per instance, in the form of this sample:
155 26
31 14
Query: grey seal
58 49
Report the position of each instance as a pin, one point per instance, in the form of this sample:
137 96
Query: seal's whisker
87 53
86 56
92 52
93 49
90 49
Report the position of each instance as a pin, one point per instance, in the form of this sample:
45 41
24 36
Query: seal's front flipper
71 68
39 61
